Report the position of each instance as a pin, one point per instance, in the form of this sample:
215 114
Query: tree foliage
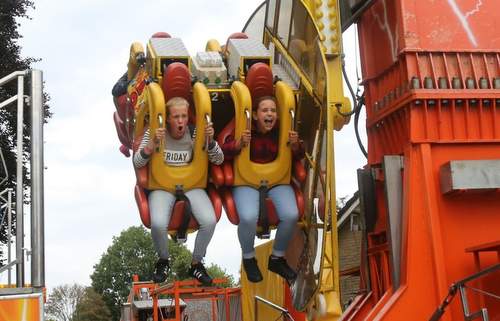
132 252
91 308
11 12
63 301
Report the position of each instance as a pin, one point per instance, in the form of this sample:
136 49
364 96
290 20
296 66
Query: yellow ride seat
159 174
260 81
150 111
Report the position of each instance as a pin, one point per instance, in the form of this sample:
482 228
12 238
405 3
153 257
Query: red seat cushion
178 216
142 203
217 175
123 107
226 168
177 81
161 34
299 171
121 130
259 81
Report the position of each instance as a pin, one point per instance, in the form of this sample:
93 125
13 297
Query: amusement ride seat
176 82
124 114
259 81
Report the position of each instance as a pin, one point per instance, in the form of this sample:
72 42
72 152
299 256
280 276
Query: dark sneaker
278 265
252 270
161 268
199 272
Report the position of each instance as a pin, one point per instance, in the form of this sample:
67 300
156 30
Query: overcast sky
84 47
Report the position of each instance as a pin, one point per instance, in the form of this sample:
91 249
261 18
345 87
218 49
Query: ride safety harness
181 235
263 215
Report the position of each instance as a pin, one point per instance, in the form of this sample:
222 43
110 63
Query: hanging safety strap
181 236
263 217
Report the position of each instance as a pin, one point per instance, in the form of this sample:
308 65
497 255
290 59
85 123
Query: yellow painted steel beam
326 15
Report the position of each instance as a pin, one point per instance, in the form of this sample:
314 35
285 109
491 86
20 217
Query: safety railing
461 287
10 208
285 314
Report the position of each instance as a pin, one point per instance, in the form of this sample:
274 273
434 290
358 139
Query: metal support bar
4 179
355 15
19 180
8 266
272 305
8 101
9 233
479 274
460 286
393 165
483 313
13 75
37 206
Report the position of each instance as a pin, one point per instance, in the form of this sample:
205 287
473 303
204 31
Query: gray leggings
160 207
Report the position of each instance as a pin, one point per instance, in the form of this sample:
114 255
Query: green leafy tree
62 302
11 13
132 252
91 308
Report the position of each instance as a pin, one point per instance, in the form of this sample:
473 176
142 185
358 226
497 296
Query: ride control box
161 52
243 53
209 68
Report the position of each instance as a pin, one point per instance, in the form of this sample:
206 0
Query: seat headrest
225 132
177 81
236 35
161 34
259 81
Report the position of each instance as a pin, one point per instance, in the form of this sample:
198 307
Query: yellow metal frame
329 273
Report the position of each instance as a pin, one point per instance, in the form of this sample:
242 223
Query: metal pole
19 186
284 312
37 206
256 309
9 233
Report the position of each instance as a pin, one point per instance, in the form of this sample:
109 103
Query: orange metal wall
437 230
392 26
431 71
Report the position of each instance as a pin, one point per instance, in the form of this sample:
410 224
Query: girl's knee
248 219
209 224
291 216
158 228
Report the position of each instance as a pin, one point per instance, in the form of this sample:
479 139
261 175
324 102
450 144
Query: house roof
350 207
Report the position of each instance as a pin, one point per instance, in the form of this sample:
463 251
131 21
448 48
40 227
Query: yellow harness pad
164 176
278 171
132 66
